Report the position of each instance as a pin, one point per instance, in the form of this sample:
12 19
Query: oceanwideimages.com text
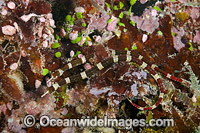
45 121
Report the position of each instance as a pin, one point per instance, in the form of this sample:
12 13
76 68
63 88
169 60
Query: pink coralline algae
184 1
8 30
49 15
134 89
14 66
79 9
26 18
100 2
11 5
42 19
154 12
98 38
98 22
194 13
62 32
44 36
96 92
89 43
168 0
143 1
144 38
37 83
68 130
40 29
147 22
64 111
80 55
177 39
194 99
72 53
32 108
140 75
4 12
16 26
83 39
52 22
111 26
45 44
73 35
196 39
88 66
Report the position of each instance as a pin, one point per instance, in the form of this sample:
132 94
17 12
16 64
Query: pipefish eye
94 37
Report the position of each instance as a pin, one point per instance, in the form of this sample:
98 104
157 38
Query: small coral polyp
106 57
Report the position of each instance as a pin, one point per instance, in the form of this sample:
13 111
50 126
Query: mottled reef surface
40 37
